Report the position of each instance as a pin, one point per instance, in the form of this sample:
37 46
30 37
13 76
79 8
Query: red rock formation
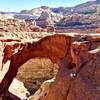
68 52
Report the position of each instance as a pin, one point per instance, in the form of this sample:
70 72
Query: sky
18 5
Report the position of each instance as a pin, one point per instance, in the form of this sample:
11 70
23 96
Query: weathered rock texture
33 73
78 61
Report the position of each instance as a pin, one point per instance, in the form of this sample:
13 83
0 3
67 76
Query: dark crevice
68 91
72 65
94 64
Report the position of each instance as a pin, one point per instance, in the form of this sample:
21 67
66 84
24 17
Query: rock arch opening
55 47
35 71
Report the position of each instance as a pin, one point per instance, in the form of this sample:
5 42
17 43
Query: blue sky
17 5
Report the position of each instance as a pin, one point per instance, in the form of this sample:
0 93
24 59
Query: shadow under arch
35 71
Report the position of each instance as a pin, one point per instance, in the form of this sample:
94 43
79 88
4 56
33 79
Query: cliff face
35 71
13 25
81 82
80 21
78 60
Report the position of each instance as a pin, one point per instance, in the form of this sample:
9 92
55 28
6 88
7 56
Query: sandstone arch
48 47
59 48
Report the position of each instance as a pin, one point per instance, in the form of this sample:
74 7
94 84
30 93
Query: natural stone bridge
78 60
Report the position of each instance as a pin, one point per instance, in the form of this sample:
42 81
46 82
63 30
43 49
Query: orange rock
72 55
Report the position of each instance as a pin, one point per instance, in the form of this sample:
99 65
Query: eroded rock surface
78 61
